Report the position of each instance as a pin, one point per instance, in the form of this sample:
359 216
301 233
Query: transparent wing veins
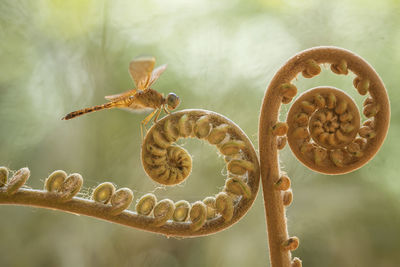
141 71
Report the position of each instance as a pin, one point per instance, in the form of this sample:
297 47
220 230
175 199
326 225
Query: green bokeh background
58 56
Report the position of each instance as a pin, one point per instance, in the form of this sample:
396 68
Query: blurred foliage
58 56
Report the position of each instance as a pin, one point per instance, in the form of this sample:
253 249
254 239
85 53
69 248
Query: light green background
58 56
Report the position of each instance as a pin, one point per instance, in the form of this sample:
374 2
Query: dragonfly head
172 101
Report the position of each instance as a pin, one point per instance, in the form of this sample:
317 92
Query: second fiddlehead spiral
323 129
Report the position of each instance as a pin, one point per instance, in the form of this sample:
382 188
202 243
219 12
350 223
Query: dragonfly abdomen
80 112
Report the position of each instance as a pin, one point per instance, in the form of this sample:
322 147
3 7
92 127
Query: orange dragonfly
142 97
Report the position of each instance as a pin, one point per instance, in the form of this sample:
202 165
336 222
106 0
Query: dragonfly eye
172 101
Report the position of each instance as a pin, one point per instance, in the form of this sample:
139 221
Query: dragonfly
142 97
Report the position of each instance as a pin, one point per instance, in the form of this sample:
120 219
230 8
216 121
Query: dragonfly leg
166 110
146 121
157 115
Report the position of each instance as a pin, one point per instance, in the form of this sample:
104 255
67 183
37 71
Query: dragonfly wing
141 69
137 107
141 110
156 73
112 97
121 95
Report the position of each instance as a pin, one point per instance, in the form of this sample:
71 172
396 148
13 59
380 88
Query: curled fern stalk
166 163
323 128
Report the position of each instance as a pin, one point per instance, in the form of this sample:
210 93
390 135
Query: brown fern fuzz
167 163
330 130
103 192
325 131
17 180
324 122
3 176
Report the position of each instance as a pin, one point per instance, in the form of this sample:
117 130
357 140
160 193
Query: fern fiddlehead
323 128
168 164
